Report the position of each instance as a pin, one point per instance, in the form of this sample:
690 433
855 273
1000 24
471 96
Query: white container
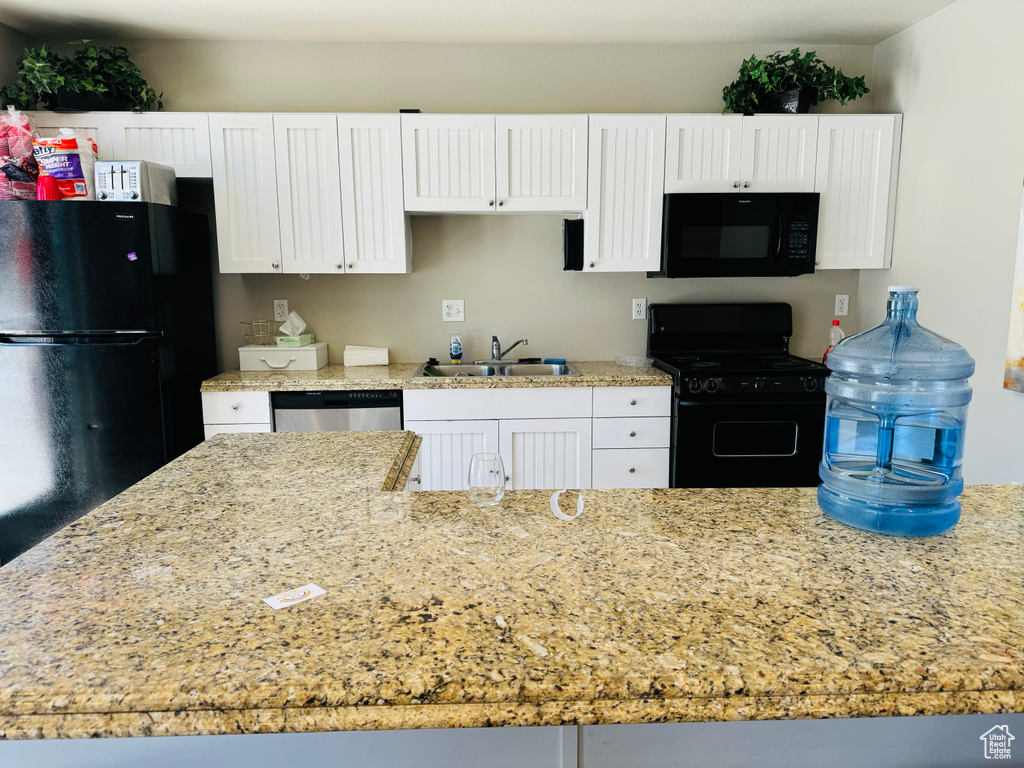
365 355
256 357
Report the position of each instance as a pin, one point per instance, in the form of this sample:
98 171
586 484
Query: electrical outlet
453 310
639 309
842 305
281 309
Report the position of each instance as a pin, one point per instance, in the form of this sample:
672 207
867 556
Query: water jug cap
835 322
903 289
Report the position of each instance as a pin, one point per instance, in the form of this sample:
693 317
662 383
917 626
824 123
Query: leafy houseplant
788 82
91 78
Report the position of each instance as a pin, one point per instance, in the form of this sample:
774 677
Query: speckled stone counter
402 376
145 618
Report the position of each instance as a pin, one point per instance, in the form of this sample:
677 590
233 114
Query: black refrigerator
106 332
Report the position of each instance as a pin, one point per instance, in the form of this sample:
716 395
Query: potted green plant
91 78
788 82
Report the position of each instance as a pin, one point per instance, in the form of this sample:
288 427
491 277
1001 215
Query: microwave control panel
799 240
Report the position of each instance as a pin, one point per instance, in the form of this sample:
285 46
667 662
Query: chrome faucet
496 352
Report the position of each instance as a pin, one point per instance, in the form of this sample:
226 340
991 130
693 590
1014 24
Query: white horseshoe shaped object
557 510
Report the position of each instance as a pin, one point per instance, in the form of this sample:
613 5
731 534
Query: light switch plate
453 310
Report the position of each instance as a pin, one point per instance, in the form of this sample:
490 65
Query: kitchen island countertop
600 373
145 616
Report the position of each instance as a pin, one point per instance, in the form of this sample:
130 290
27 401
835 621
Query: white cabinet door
245 192
541 162
309 193
376 229
178 139
99 126
546 453
858 160
447 448
626 178
779 153
448 163
702 153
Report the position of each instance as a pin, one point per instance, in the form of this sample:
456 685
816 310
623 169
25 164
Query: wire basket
261 332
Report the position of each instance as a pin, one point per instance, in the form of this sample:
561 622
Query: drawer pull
632 402
234 406
415 479
632 470
278 367
632 433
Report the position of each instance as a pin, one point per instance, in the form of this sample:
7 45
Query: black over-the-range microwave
738 235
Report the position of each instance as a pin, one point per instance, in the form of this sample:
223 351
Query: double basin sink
499 368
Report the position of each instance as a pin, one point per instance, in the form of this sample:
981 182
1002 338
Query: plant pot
68 101
793 102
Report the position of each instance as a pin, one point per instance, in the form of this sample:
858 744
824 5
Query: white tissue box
255 357
366 355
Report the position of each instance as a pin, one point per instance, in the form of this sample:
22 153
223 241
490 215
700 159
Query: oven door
744 444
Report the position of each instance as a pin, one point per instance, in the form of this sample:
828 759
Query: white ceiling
584 21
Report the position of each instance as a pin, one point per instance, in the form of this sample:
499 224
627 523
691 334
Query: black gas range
746 413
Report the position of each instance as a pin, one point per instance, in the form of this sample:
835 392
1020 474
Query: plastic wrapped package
71 160
18 170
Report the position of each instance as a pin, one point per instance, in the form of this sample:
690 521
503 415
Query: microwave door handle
778 243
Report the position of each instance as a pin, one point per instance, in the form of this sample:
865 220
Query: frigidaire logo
123 216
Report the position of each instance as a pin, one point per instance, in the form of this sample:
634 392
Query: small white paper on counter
293 596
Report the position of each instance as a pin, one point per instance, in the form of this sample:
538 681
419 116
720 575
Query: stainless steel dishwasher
349 411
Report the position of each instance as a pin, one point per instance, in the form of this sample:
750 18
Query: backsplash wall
506 268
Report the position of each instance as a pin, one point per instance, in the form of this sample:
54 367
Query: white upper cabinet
99 126
733 153
488 163
448 163
541 162
376 229
178 139
626 178
245 192
858 160
309 193
702 153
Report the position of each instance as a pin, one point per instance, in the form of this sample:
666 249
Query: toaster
135 181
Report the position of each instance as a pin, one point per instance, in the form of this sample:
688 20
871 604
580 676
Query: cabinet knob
351 266
501 203
591 265
339 266
234 407
746 184
508 479
415 479
632 402
273 265
735 185
632 433
490 202
816 262
632 470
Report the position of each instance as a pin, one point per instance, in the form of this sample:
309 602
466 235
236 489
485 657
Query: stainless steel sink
499 368
537 369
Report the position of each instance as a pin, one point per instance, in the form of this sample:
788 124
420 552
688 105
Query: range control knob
810 384
759 385
693 385
711 386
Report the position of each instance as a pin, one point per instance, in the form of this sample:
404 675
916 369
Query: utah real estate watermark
997 742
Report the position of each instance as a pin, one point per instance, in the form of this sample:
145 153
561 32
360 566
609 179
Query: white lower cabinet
547 437
442 463
545 453
236 412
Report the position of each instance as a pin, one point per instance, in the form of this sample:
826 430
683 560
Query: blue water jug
894 426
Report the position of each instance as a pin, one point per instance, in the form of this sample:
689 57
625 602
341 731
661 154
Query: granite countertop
145 616
401 376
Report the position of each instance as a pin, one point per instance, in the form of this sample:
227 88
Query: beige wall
959 197
508 270
11 45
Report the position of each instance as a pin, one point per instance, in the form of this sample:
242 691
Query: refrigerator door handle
45 340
